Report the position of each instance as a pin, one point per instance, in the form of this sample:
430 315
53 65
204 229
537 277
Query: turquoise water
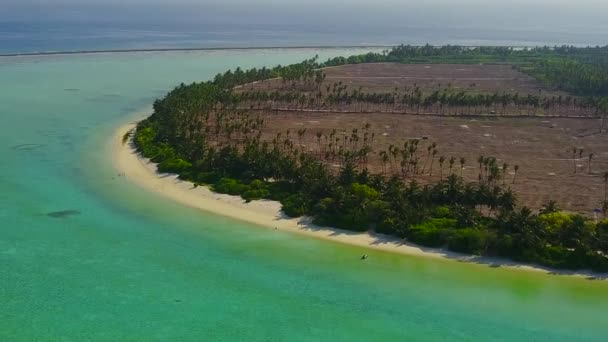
123 264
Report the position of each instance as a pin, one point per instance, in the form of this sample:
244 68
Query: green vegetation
442 101
201 132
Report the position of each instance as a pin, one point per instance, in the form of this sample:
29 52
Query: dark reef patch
63 213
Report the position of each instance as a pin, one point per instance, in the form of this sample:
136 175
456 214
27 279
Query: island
486 151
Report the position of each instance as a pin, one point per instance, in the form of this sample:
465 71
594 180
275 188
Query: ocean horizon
57 36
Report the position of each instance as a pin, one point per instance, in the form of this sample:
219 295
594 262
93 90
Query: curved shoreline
268 214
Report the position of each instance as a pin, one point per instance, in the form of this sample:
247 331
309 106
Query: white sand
268 213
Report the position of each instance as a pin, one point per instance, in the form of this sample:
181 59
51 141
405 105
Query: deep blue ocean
27 37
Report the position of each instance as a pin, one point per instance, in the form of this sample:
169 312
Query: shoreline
187 49
268 214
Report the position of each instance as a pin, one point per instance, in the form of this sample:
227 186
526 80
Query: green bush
257 185
432 232
555 256
555 221
174 166
391 225
163 153
251 195
468 240
230 186
354 220
144 141
208 177
561 257
598 262
279 190
442 212
295 205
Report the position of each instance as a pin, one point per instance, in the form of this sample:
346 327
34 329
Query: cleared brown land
478 78
474 78
542 147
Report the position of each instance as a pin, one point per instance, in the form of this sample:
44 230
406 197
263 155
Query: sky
553 15
54 25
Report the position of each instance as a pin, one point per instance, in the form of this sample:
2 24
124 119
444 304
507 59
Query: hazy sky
551 15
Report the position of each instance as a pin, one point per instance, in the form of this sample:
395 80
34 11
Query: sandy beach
142 172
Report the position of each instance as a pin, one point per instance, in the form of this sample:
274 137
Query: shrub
354 220
431 233
555 220
175 165
280 190
162 153
555 256
295 205
598 262
251 195
257 185
468 240
391 225
208 177
442 212
144 137
230 186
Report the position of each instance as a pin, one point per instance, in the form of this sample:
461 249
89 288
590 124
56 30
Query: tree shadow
491 262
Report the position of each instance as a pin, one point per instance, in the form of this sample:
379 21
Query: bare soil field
542 149
477 78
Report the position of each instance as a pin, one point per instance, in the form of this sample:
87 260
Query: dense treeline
443 101
306 71
199 132
572 75
582 71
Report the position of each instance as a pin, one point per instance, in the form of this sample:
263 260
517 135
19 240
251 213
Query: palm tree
385 158
515 169
451 161
429 150
505 166
480 161
462 162
507 201
319 135
301 133
605 186
441 161
432 160
549 208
